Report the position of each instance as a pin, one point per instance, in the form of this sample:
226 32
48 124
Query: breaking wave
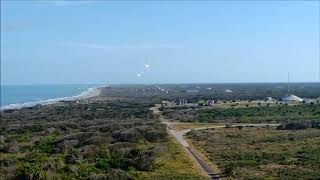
90 92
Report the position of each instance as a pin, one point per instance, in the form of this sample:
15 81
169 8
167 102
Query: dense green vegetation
246 115
240 91
116 136
97 140
299 125
262 153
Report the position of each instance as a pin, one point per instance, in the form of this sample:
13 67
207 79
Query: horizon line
108 84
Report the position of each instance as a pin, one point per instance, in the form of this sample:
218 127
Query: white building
291 98
269 98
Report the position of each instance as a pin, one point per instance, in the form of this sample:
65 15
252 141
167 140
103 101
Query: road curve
178 135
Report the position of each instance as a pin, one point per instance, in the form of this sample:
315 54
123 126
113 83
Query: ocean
17 96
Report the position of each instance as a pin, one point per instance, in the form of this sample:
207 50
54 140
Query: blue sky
108 42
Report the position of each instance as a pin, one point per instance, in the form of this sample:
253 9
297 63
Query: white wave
90 92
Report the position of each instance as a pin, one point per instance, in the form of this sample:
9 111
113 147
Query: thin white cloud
15 25
128 47
88 45
61 2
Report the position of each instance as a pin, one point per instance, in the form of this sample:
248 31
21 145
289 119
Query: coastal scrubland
116 135
274 114
100 139
261 152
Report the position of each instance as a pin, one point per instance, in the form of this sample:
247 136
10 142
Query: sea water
17 96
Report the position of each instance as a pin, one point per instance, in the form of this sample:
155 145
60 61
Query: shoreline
89 93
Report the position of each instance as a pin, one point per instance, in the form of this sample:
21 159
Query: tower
288 84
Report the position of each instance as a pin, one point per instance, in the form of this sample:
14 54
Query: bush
315 124
104 165
155 135
294 126
10 148
130 135
47 145
139 159
66 145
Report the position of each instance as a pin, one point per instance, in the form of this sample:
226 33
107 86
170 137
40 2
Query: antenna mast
288 83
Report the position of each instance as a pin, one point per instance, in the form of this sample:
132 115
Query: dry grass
262 153
173 164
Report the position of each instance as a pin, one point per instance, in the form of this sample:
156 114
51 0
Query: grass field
262 153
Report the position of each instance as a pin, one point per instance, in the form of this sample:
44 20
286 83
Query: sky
105 42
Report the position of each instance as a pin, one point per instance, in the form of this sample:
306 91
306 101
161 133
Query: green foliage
20 137
104 165
85 169
100 139
262 153
46 145
299 125
248 114
29 170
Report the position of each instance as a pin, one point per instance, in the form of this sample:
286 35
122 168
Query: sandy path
179 136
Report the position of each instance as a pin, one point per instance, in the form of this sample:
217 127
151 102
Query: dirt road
179 136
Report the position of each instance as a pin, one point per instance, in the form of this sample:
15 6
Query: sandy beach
90 93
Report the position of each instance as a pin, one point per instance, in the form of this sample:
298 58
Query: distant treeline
241 91
246 115
300 125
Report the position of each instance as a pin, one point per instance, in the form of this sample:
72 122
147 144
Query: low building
181 102
205 102
169 103
269 99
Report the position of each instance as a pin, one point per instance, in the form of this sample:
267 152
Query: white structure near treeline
269 98
291 98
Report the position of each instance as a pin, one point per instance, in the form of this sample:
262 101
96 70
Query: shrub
155 135
66 145
103 164
315 124
130 135
30 171
46 145
294 126
142 160
10 148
